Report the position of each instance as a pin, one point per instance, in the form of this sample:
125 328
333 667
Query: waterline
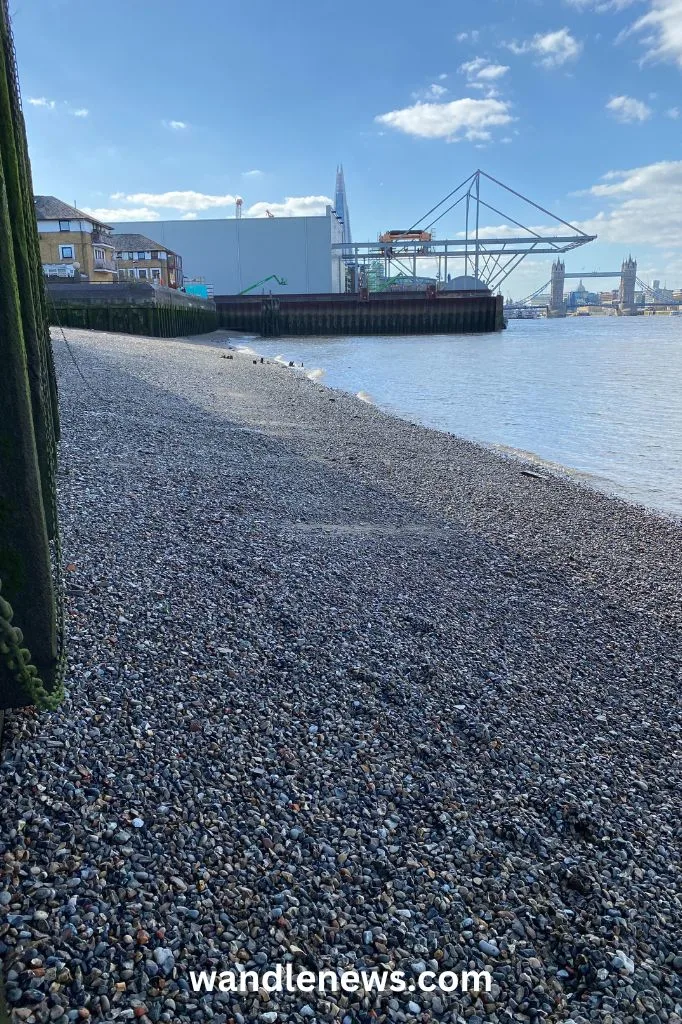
598 398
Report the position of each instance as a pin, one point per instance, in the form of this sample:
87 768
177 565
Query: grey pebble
339 694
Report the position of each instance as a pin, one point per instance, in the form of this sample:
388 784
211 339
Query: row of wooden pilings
152 321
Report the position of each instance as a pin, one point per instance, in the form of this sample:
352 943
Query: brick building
73 244
139 257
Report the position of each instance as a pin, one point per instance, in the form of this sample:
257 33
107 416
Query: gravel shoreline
343 691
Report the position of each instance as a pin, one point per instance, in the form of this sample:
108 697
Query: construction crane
382 286
280 280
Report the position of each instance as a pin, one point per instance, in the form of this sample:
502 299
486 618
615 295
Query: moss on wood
31 654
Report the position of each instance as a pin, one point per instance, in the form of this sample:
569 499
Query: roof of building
465 283
51 208
138 243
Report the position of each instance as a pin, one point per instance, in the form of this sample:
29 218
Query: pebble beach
343 692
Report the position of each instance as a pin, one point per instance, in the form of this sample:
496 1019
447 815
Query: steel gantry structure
488 258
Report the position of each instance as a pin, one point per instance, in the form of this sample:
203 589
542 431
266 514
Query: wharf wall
130 308
127 293
342 314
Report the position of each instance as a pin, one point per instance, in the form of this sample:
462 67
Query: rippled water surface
601 396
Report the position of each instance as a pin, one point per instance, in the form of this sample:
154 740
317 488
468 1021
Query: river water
600 397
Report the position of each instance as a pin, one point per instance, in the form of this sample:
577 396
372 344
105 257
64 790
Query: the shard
341 204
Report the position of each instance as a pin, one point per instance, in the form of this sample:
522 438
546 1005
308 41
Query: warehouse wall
233 254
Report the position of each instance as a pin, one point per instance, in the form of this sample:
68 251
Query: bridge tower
557 306
628 278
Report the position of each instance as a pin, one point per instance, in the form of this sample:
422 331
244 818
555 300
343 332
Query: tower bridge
626 292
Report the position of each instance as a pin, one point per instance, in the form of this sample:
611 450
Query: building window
155 254
66 252
156 274
99 254
142 274
141 256
65 225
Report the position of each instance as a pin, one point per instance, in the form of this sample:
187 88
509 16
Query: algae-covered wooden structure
31 627
130 308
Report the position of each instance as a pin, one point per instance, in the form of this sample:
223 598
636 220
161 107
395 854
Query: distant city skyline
574 103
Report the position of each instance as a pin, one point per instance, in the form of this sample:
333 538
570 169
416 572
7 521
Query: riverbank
343 691
602 398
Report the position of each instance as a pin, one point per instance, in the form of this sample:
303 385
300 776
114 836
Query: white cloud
112 216
552 49
662 28
185 201
627 109
662 176
673 113
512 231
148 204
434 92
176 126
465 37
601 6
643 205
41 101
481 73
465 118
293 206
255 173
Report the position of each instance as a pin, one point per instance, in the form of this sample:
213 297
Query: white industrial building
232 254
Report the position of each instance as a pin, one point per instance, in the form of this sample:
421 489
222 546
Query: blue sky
155 111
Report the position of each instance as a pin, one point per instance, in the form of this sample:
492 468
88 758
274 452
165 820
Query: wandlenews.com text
284 978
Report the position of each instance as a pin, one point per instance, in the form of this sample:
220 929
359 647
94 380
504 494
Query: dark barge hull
341 314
